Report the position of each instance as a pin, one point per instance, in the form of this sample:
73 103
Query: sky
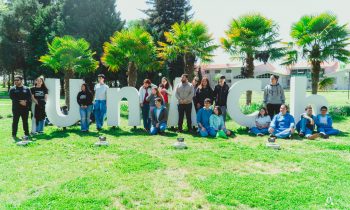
217 14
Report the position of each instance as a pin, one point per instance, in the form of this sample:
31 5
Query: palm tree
252 37
71 56
326 83
320 38
134 47
190 40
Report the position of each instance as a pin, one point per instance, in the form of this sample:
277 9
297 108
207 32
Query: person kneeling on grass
203 116
217 124
282 125
324 124
262 123
159 116
306 125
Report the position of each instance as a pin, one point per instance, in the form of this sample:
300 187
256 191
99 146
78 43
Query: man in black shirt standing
220 95
21 102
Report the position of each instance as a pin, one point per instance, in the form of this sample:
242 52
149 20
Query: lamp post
160 77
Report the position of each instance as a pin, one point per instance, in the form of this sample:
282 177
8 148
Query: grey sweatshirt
274 94
185 91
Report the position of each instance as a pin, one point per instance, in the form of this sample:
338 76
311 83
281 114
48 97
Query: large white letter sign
233 107
114 97
53 110
299 100
173 114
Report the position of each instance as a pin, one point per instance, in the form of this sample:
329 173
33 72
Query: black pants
16 115
273 109
185 108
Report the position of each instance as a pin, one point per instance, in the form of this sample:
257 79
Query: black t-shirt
39 93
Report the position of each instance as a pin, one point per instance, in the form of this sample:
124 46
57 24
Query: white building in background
232 72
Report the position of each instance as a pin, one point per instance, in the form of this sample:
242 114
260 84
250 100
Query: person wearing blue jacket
306 125
217 123
282 125
203 116
324 124
159 117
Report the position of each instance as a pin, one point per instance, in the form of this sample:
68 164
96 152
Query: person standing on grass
184 95
159 117
217 123
84 99
306 125
39 97
166 91
195 83
273 96
220 95
100 106
262 123
21 102
203 91
203 116
324 124
145 91
282 125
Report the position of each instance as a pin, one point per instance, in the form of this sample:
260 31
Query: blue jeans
301 127
100 109
85 117
155 131
282 134
208 131
256 130
146 116
40 126
328 131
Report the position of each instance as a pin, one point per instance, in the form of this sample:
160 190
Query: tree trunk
132 74
249 74
69 74
315 75
189 61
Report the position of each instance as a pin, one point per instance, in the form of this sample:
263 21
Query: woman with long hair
203 91
262 123
84 100
39 97
166 90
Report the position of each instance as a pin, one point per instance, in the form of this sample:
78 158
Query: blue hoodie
329 121
282 122
203 116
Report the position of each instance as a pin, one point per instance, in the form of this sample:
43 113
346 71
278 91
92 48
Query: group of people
273 119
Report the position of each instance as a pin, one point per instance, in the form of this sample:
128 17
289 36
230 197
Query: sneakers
323 135
313 136
260 134
301 134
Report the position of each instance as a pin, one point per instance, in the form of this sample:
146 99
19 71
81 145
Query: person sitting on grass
262 123
217 124
203 116
159 116
282 125
306 125
324 124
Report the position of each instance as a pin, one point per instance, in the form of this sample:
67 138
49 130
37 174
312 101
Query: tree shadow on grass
117 131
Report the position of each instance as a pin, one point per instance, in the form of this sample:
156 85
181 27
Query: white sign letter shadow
299 100
53 109
173 116
114 97
233 107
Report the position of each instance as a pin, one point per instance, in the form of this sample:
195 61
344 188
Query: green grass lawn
63 170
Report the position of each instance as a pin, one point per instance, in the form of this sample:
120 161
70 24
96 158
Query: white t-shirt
157 113
323 120
263 120
100 91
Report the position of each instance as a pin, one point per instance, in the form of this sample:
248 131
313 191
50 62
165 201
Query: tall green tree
318 38
161 15
15 27
189 40
252 37
71 56
133 47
